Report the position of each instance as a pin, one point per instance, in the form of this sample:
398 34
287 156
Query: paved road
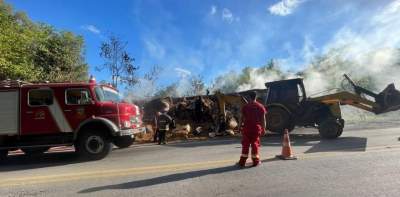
363 162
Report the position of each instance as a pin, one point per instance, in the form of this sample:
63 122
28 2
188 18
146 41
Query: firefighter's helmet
164 106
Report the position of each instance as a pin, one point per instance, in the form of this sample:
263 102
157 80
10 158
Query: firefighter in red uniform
252 127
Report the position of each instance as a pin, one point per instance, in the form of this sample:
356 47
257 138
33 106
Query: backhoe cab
288 106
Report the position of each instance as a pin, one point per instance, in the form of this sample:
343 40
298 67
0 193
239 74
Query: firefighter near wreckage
164 123
252 127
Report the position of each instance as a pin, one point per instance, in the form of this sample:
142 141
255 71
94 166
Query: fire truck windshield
107 94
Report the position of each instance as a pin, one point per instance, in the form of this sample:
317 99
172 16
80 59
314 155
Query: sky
211 38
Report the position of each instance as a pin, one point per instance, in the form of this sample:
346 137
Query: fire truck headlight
135 120
127 124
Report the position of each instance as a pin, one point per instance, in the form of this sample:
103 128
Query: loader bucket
388 99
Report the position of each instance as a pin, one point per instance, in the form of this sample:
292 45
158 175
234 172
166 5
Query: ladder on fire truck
8 83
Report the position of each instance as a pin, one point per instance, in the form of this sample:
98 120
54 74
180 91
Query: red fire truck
92 117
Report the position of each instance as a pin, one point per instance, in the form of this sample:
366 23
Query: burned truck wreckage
203 113
286 102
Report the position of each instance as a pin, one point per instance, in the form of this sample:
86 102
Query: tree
118 62
60 57
197 86
36 51
148 84
15 59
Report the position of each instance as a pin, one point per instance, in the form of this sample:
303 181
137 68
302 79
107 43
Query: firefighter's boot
256 160
242 161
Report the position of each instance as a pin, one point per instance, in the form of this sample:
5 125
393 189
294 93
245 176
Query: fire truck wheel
123 141
35 151
3 154
93 145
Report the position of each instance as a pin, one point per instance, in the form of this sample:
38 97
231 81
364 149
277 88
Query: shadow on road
270 139
168 178
342 144
24 162
210 142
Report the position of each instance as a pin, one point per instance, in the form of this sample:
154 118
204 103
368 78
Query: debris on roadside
195 117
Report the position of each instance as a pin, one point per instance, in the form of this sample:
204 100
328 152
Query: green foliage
33 52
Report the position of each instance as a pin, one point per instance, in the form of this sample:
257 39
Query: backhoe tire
123 141
92 145
330 129
35 150
278 119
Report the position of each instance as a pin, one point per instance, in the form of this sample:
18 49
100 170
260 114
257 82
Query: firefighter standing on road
253 120
164 123
156 131
198 110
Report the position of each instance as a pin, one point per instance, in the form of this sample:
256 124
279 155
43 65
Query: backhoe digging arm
386 101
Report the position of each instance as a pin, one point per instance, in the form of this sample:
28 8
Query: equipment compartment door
9 112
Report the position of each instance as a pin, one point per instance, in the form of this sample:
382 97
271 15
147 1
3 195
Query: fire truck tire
330 129
92 145
123 141
35 151
3 154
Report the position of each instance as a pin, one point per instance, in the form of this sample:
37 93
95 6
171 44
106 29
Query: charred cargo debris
200 116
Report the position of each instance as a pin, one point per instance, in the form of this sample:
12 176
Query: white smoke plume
367 49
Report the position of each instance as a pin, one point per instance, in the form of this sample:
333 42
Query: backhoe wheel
35 150
92 145
124 141
330 129
278 120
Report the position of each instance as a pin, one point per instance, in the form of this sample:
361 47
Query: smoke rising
367 49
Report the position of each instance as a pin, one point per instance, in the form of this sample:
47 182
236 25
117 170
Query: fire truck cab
89 116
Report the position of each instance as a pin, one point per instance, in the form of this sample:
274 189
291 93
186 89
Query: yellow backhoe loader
288 106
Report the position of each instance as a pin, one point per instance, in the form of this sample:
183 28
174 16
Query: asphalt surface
365 161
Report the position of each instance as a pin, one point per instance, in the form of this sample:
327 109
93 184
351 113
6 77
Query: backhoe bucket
388 99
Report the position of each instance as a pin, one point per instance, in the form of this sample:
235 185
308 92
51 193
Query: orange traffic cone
286 148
